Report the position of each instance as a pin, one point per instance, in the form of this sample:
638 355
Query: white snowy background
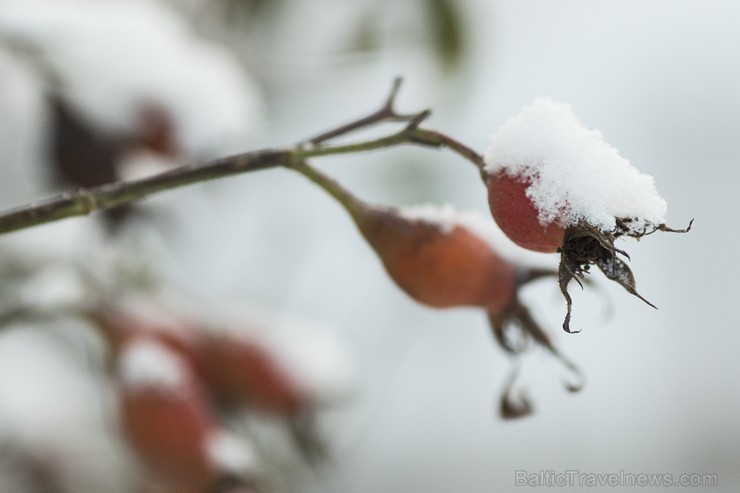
660 79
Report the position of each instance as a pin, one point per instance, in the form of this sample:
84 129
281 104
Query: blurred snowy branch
85 201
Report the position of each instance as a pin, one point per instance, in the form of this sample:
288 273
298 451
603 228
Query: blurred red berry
437 267
165 416
441 259
235 370
240 371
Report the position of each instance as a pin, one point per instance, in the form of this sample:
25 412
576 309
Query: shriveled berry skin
439 268
518 217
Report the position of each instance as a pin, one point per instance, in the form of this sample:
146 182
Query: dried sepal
624 228
616 270
509 337
666 229
585 245
524 319
514 329
566 272
514 403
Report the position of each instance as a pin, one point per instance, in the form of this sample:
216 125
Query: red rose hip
518 217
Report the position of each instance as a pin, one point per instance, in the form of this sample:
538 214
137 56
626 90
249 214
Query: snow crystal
145 363
447 219
575 175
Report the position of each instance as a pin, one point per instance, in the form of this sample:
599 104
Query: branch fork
82 202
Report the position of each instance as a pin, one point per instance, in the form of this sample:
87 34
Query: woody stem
82 202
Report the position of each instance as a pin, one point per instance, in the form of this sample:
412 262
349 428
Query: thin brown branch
85 201
386 113
349 201
437 139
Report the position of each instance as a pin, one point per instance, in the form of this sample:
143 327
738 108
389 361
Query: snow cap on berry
575 175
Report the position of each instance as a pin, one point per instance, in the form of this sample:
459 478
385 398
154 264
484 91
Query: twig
433 138
385 113
409 135
349 201
85 201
